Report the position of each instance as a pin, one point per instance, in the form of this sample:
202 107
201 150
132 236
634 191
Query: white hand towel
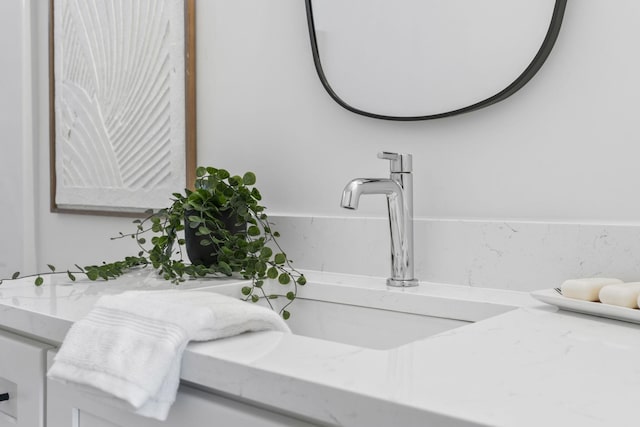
130 345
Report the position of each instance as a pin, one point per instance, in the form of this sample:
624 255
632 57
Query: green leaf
253 231
266 252
225 268
223 174
255 298
280 258
142 240
261 268
301 281
200 172
284 279
15 275
71 276
204 230
272 273
92 274
195 219
286 315
39 281
228 192
291 296
51 267
246 290
249 178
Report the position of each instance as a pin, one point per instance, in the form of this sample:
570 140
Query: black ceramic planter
206 255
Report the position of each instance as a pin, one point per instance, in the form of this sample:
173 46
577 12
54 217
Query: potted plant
223 229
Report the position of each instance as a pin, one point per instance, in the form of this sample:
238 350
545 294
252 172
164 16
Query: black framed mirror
427 59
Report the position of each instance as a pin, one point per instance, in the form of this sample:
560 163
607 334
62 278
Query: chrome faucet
399 191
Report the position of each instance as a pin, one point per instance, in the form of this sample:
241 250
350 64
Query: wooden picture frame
122 104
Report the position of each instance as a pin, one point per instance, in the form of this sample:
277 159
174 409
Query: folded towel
130 345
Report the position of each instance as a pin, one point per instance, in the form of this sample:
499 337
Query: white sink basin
364 312
363 326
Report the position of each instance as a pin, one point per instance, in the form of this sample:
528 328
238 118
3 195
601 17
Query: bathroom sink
364 326
364 312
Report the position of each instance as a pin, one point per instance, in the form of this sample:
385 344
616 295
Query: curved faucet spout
399 192
359 186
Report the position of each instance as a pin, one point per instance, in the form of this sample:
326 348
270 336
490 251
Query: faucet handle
400 163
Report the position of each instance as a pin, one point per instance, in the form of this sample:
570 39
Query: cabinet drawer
22 371
69 407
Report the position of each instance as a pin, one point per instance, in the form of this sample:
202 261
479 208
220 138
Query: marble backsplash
520 256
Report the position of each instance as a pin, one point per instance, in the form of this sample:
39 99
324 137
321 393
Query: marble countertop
47 312
529 366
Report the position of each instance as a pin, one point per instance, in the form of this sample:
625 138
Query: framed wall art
122 104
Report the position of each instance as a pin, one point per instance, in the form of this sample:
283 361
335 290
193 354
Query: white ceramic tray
550 296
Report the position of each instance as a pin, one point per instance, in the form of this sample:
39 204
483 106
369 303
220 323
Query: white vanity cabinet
22 373
69 407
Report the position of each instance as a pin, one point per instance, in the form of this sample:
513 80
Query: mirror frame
535 65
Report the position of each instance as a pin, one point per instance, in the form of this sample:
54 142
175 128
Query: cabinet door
22 370
69 407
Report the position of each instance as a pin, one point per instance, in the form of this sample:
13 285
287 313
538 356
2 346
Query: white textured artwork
119 70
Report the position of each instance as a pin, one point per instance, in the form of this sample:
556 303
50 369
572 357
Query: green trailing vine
224 214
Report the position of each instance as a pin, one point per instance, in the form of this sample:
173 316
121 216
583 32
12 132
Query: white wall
563 149
11 138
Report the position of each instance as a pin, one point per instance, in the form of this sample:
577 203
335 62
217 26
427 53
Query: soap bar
624 295
586 289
